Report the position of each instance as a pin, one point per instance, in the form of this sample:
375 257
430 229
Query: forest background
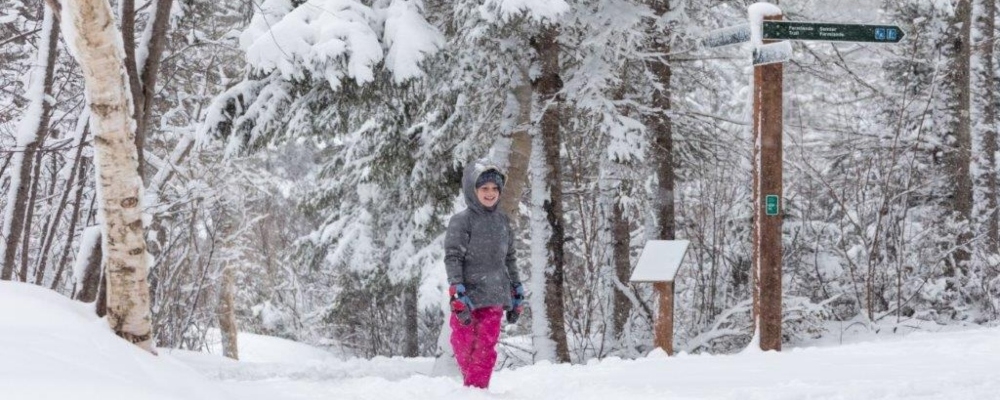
301 159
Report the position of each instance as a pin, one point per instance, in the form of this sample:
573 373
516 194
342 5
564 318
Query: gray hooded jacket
479 247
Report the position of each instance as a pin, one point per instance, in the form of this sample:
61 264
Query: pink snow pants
475 345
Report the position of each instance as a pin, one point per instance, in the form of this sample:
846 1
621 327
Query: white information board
660 260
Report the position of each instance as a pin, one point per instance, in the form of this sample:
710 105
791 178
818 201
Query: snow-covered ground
51 348
55 348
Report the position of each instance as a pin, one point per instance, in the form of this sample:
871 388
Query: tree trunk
88 285
412 346
48 230
227 314
987 80
81 177
30 133
149 72
153 191
960 157
520 152
131 65
548 86
63 201
621 237
617 188
55 7
29 218
100 54
660 125
101 303
3 170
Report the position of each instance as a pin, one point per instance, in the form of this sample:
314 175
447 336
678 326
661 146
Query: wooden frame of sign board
658 263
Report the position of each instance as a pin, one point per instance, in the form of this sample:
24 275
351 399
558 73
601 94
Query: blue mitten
517 300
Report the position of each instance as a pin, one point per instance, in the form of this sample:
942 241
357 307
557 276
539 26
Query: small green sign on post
771 205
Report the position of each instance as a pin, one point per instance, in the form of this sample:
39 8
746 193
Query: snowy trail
957 365
54 348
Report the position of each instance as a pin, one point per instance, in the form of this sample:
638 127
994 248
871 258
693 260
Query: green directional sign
785 30
771 206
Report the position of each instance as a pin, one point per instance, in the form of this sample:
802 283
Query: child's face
488 194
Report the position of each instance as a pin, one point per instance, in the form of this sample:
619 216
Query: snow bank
269 349
54 348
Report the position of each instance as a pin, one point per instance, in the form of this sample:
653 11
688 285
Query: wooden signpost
768 54
767 130
659 262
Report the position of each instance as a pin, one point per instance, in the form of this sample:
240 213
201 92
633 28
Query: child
482 272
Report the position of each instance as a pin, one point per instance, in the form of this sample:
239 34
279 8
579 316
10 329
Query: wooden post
659 263
767 195
665 317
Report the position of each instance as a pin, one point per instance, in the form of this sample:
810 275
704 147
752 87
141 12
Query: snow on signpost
772 53
659 262
727 36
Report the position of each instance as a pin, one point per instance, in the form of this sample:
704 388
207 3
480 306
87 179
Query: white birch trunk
97 45
545 347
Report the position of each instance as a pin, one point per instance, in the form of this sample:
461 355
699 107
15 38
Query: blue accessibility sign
880 34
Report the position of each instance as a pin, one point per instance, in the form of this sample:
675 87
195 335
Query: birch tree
97 46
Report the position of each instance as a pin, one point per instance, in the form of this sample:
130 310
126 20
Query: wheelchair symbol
880 34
